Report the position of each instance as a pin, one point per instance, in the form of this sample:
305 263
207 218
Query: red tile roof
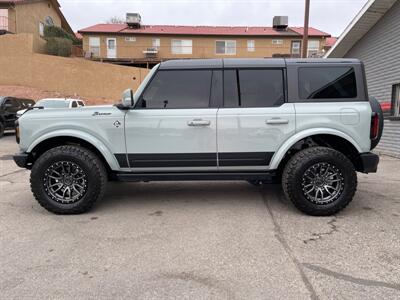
200 30
330 41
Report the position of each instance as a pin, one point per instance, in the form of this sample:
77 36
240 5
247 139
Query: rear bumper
367 162
21 159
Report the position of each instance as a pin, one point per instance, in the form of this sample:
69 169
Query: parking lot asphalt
199 240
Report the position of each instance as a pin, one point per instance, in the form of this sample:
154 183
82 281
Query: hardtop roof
219 63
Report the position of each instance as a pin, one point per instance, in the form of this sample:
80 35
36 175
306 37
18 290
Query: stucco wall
25 18
75 76
202 47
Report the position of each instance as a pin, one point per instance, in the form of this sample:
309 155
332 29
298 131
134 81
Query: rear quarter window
327 83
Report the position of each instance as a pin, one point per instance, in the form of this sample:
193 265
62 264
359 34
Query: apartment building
31 16
137 44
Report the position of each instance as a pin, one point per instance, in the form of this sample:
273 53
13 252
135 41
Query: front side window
74 104
327 83
181 46
178 89
225 47
94 46
253 88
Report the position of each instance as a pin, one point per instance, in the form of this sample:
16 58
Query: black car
8 111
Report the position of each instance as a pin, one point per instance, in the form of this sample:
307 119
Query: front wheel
319 181
68 180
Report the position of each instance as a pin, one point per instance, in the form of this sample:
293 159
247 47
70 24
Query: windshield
144 83
52 103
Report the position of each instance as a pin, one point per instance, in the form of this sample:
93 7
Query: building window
251 45
313 48
130 39
277 42
41 29
4 19
94 46
181 46
296 48
396 100
155 43
225 47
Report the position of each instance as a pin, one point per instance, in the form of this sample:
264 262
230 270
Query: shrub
59 46
58 32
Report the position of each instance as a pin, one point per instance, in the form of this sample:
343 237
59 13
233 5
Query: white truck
306 123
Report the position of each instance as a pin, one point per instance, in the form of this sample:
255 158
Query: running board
192 176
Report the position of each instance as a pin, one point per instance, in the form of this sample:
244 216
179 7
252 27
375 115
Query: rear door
173 125
255 119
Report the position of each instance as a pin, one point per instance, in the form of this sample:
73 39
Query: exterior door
111 48
172 126
255 119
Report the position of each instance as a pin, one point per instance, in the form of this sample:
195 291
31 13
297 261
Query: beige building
31 16
136 44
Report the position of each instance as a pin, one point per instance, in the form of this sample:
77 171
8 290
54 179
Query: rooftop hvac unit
280 22
133 20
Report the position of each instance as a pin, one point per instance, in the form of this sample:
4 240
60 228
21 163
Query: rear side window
327 83
74 104
178 89
253 88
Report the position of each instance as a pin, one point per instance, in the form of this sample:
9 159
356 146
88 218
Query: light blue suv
306 123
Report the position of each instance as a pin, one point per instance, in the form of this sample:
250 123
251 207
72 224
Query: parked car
55 103
307 123
8 110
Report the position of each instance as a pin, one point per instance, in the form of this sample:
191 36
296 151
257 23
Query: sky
331 16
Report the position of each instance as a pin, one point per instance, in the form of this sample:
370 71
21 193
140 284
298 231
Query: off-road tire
297 166
1 130
91 165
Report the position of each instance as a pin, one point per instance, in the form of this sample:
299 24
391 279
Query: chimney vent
280 23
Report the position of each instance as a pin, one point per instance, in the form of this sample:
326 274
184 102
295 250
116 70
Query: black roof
219 63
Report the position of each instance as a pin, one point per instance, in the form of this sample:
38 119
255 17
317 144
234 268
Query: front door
255 119
111 48
173 126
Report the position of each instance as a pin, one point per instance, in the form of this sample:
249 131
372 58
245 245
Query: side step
192 176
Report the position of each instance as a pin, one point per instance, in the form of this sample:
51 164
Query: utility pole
305 33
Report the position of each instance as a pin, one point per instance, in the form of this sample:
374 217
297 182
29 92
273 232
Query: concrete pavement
199 240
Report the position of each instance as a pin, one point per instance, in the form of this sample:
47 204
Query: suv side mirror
127 98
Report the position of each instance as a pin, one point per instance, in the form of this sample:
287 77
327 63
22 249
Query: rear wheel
68 180
319 181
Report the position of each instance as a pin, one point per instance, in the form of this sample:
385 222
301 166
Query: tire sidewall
345 167
45 161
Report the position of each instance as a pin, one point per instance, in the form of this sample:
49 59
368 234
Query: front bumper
21 159
367 162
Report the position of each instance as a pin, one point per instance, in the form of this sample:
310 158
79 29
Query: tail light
374 126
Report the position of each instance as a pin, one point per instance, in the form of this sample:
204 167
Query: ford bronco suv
307 123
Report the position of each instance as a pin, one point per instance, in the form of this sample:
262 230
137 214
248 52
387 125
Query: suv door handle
277 121
197 122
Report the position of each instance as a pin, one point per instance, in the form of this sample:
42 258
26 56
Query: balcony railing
3 23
